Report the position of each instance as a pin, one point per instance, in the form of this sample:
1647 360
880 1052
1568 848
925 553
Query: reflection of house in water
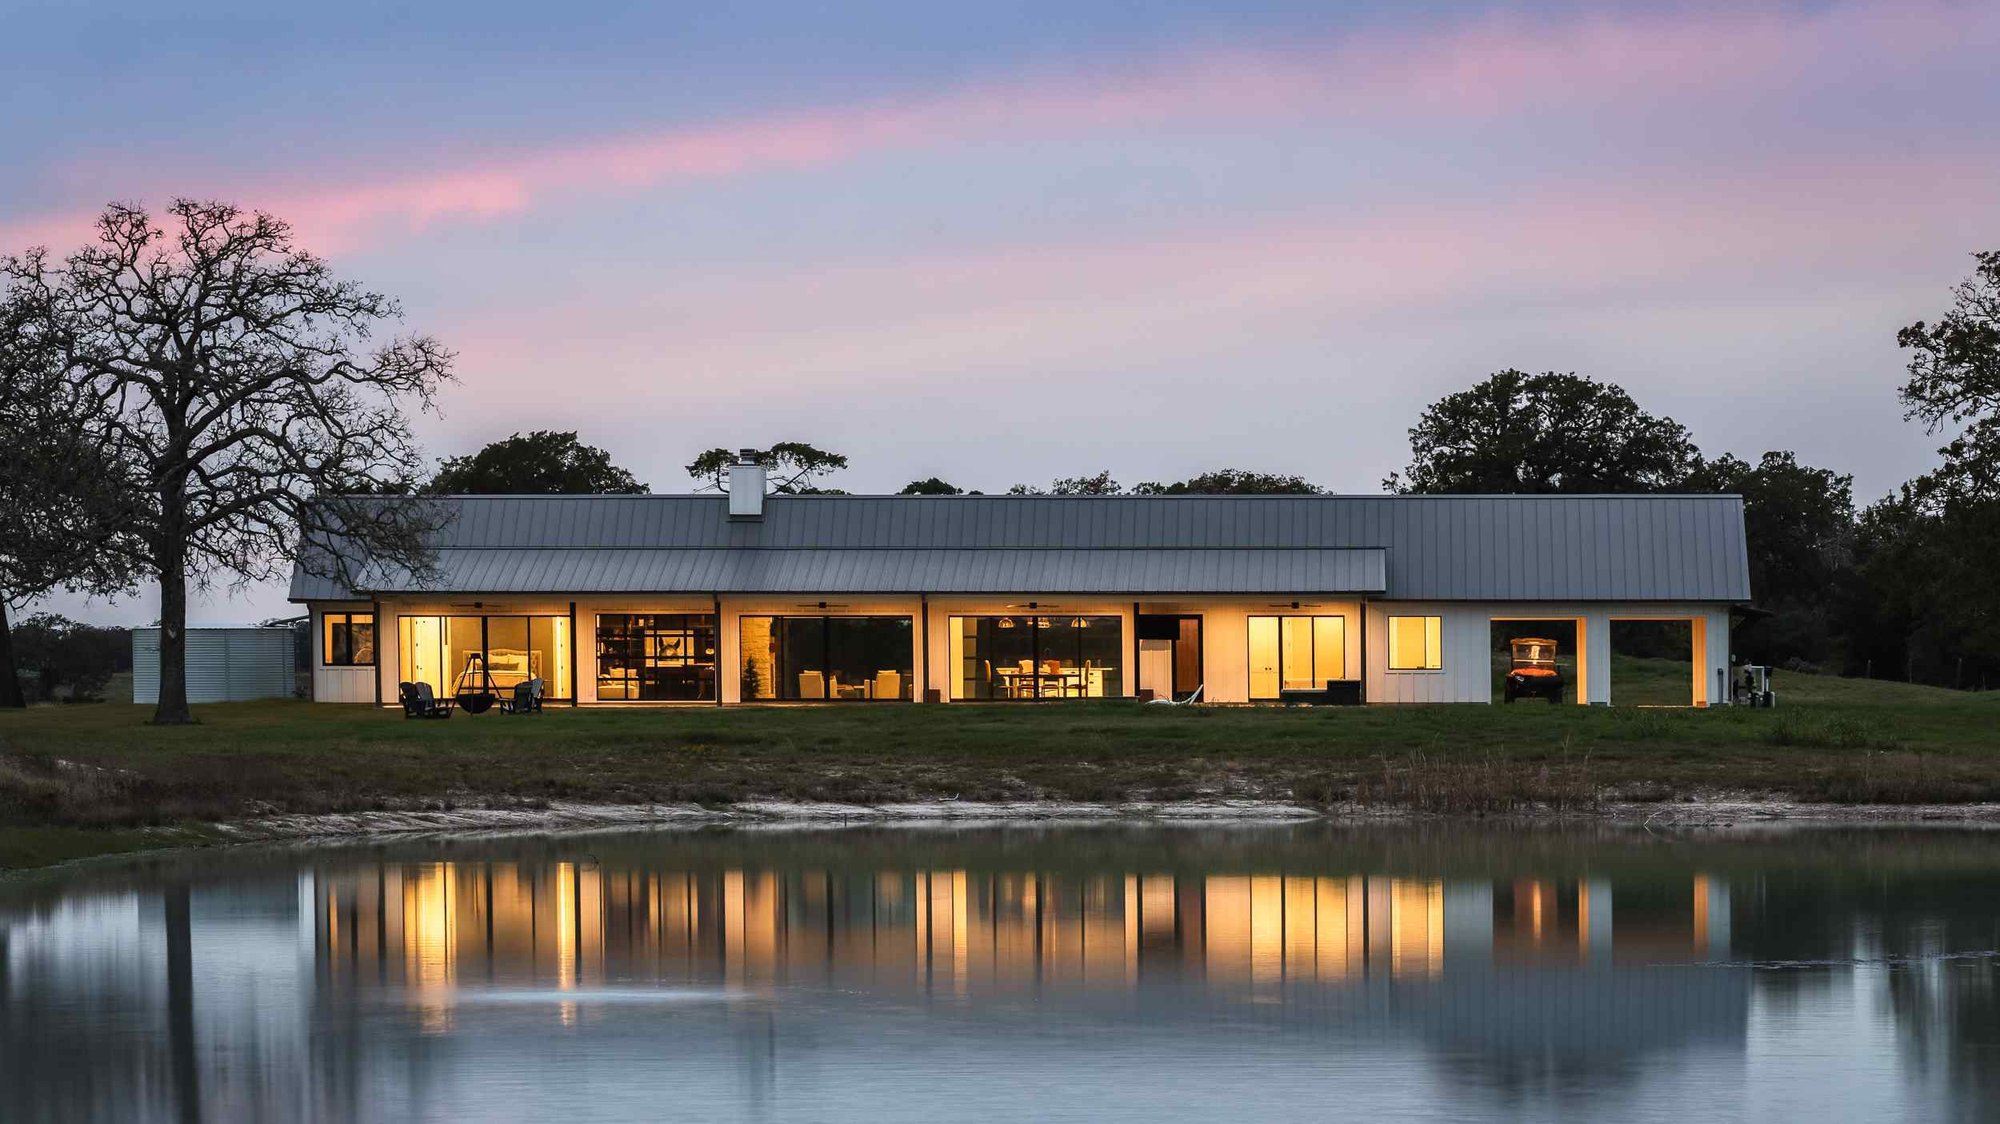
1492 970
567 925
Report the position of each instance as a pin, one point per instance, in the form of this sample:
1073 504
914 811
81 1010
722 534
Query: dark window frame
627 646
826 633
1037 653
343 624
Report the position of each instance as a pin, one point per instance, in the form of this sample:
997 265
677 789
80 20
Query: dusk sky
1003 243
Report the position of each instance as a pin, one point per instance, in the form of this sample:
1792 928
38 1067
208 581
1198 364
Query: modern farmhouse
748 598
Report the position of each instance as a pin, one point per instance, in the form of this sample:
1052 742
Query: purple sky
1024 241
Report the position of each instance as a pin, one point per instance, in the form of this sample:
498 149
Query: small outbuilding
223 664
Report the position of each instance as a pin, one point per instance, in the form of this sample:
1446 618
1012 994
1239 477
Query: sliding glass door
1036 657
1295 653
821 658
453 653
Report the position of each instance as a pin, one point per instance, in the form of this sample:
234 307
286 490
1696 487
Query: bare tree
249 412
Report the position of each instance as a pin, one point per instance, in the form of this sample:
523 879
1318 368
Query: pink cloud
1037 312
1491 68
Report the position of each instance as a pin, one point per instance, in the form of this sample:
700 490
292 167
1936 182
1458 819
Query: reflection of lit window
1416 643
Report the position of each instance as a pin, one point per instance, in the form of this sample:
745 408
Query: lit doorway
1553 672
1656 661
1169 655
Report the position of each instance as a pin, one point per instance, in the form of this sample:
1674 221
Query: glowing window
1416 643
347 639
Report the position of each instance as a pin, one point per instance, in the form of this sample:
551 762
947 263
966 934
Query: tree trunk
172 709
10 678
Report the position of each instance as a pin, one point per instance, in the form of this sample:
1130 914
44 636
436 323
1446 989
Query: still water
1027 973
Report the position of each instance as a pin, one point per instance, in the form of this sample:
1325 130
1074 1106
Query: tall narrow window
1416 643
347 639
1296 654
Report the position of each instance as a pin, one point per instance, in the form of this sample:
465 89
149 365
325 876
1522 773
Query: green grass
102 768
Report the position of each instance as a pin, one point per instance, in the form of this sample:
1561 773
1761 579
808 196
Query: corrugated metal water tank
223 664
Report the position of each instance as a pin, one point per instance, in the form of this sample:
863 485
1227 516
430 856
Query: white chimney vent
746 486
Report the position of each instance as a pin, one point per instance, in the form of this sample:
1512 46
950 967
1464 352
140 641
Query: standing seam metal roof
1612 548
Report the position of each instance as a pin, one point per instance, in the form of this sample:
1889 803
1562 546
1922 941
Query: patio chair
420 702
527 698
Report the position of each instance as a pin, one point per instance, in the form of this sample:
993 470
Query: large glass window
347 639
656 657
1416 643
1037 657
472 652
849 659
1298 653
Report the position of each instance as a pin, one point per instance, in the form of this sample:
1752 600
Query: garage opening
1537 660
1653 663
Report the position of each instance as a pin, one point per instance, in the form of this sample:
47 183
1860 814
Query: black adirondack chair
527 698
419 701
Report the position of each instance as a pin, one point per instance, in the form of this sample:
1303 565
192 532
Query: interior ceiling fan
1292 604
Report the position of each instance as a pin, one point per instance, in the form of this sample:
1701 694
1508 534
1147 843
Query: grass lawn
102 768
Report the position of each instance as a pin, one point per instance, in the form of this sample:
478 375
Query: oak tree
542 463
63 507
791 468
245 402
1522 433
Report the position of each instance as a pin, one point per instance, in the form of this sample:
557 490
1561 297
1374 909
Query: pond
1112 972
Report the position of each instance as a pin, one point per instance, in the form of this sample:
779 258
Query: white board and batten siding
345 684
223 664
1467 637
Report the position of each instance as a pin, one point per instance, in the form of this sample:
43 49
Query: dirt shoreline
1716 812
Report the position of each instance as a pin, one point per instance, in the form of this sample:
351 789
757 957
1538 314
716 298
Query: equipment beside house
223 664
1753 687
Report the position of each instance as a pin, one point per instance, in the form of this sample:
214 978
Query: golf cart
1753 687
1534 673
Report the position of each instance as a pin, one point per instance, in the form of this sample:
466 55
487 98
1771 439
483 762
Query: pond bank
90 779
28 848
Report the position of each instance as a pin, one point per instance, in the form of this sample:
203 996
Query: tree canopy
1799 521
239 387
1232 482
931 486
1522 433
1925 594
1099 484
791 467
542 463
63 505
